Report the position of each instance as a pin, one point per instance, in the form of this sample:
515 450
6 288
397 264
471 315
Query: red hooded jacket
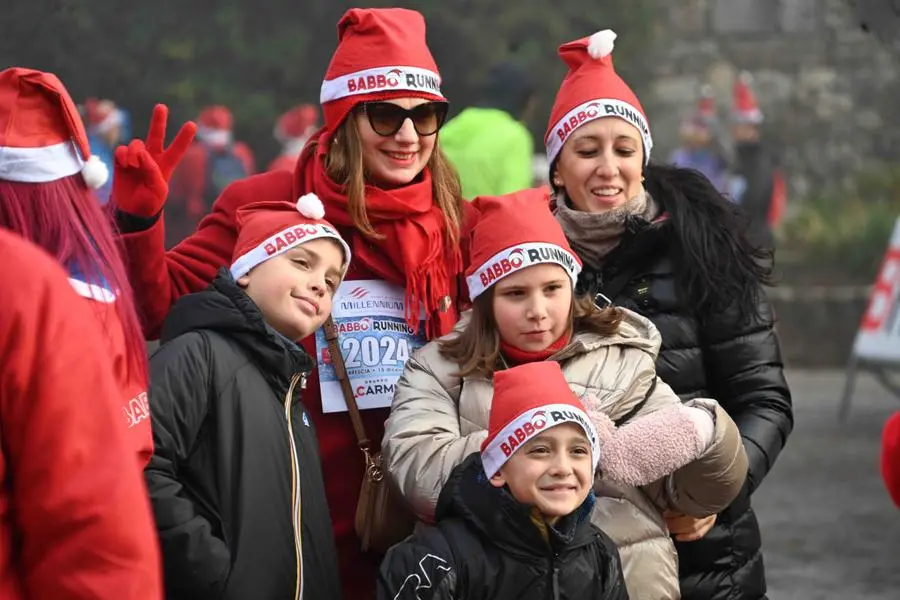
75 520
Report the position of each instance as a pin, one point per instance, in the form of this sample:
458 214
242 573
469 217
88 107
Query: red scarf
414 251
521 357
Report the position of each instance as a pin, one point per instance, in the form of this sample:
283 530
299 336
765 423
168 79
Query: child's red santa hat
514 232
268 229
42 137
592 90
529 399
381 54
744 106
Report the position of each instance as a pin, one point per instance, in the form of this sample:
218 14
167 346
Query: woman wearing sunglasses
385 184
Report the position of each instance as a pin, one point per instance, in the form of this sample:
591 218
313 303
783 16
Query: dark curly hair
717 269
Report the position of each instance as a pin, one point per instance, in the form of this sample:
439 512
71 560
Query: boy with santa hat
513 521
235 479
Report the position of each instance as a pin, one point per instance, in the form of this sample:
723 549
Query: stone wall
828 89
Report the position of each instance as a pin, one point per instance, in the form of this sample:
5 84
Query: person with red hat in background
211 163
105 128
230 365
890 457
755 183
47 178
293 130
377 167
521 278
662 241
75 522
699 147
514 518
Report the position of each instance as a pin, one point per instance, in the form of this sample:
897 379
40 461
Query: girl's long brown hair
344 165
477 348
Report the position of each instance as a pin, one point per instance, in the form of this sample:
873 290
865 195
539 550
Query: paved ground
830 531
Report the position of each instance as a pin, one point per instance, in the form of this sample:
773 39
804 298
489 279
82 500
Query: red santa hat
529 399
514 232
270 228
381 54
592 90
42 137
298 122
214 125
102 115
703 116
744 106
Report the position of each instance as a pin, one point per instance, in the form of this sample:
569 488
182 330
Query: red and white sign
878 338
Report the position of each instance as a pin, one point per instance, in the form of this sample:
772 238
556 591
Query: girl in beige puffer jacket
686 458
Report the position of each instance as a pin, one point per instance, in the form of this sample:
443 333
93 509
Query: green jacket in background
490 150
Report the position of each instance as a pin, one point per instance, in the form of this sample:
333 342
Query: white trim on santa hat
529 424
40 165
114 118
521 256
381 79
596 109
283 241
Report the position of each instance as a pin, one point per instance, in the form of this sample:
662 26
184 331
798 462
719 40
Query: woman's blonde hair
344 165
477 348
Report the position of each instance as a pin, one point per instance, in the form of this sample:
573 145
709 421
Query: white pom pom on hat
311 207
601 44
95 173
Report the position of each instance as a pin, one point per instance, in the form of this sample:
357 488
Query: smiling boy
513 521
235 478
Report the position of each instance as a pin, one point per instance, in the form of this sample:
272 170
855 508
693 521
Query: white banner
878 338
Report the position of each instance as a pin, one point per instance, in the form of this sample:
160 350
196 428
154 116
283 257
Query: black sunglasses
387 118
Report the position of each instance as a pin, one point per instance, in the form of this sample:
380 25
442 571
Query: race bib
375 342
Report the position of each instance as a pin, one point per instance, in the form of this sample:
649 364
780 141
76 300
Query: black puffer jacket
233 443
485 547
710 352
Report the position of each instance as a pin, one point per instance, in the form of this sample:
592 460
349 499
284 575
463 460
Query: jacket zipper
555 577
296 519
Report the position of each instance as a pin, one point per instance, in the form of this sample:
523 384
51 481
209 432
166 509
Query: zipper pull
303 381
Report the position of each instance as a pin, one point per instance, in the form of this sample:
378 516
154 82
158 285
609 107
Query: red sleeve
80 512
890 457
159 278
245 154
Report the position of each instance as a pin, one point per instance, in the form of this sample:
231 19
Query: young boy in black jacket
514 521
235 479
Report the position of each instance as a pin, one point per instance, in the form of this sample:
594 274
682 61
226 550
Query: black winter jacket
735 361
235 479
485 547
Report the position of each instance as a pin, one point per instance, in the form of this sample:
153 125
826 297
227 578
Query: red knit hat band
519 257
528 400
269 229
597 109
381 54
592 90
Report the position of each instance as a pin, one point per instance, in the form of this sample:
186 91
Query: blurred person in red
293 130
105 128
756 182
890 457
47 178
210 164
75 519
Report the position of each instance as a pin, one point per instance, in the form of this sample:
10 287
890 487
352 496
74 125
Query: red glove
143 170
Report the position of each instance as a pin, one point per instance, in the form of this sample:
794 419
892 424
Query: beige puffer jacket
438 419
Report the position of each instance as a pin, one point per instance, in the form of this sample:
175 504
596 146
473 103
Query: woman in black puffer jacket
663 242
